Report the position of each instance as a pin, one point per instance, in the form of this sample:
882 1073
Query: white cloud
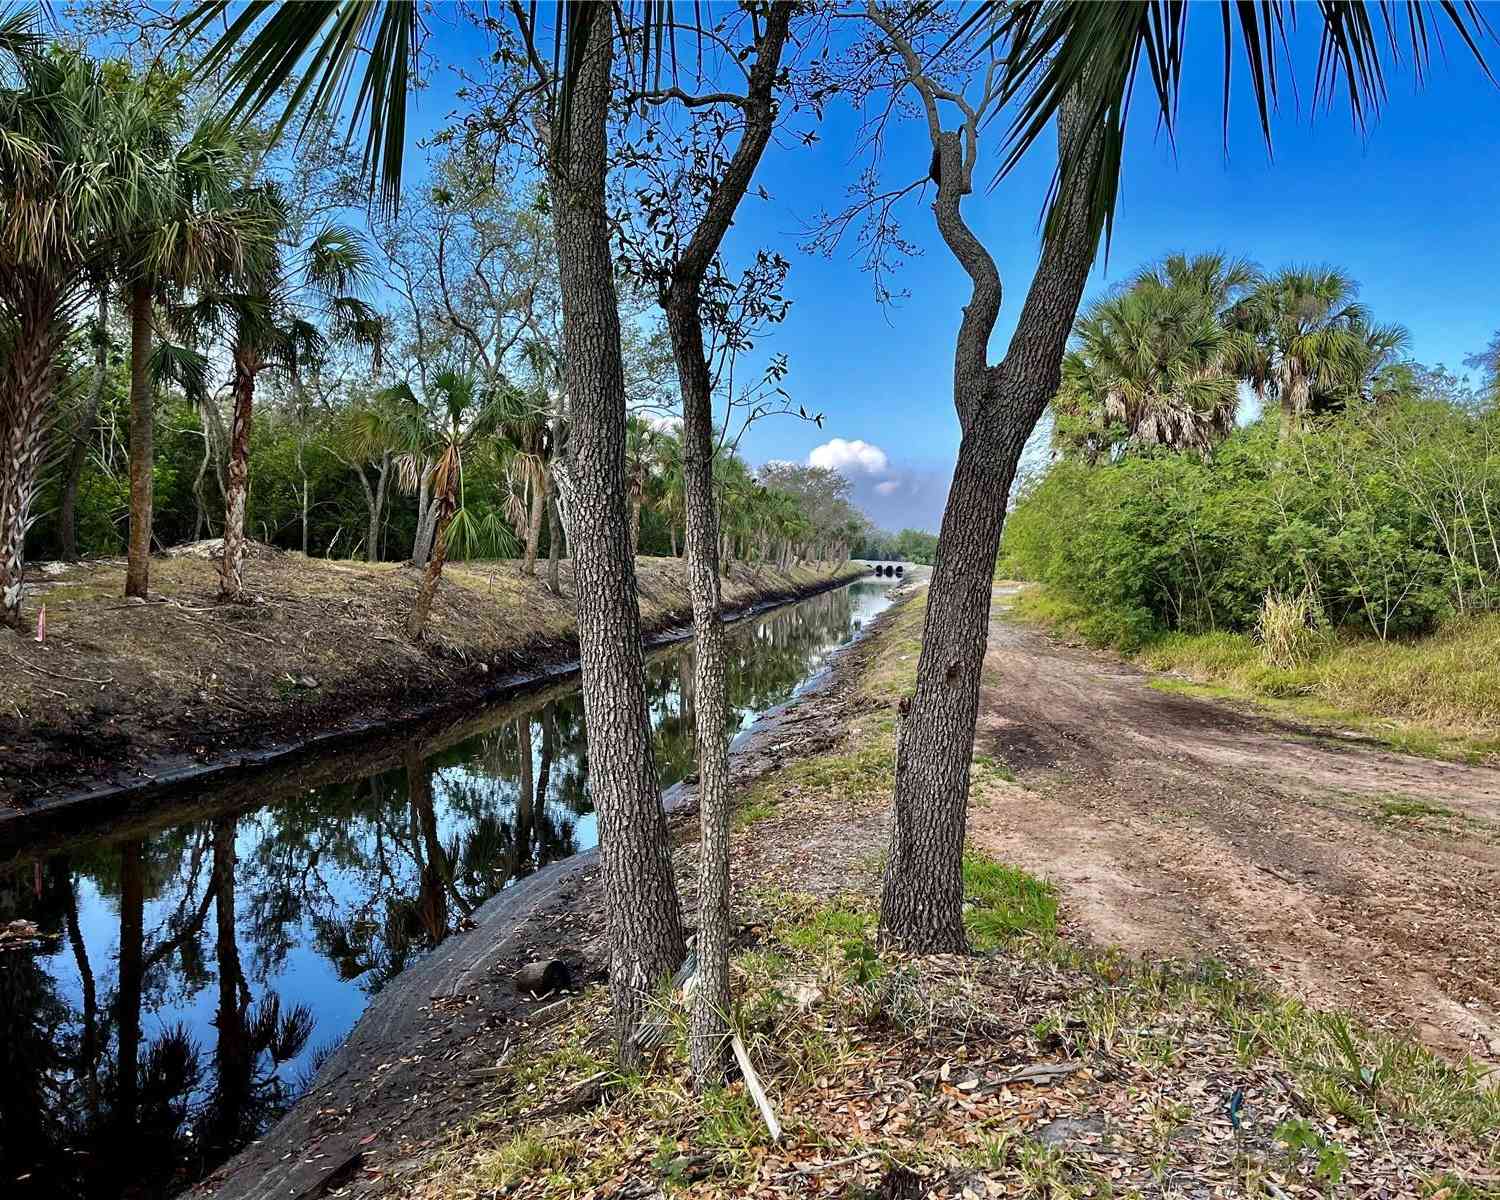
848 457
888 487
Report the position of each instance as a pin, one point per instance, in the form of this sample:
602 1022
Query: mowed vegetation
1037 1067
1336 553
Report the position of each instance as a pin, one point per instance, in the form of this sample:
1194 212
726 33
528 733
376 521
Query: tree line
1357 480
644 160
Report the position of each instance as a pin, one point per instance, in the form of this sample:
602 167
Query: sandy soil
1359 878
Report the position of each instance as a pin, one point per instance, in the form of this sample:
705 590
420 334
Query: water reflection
189 977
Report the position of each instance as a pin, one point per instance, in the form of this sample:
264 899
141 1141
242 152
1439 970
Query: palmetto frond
1058 48
186 367
313 47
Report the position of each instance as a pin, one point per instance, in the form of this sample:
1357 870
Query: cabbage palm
465 418
189 226
1155 365
72 174
279 311
1313 332
642 449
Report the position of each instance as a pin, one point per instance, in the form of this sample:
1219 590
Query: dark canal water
191 972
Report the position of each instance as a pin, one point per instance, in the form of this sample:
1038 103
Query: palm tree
1314 338
1155 365
275 310
189 226
527 430
466 419
642 450
71 174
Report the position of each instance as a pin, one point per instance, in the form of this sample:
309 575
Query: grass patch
1003 903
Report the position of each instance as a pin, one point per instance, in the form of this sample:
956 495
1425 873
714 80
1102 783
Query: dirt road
1361 879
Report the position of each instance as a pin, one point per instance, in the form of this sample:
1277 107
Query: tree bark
554 544
643 916
921 906
67 515
231 564
682 299
138 555
421 548
442 508
28 385
540 496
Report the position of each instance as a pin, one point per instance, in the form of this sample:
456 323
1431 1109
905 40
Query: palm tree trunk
234 1057
640 893
231 565
138 559
1295 396
421 548
131 979
28 387
443 507
540 495
635 523
554 544
921 906
67 515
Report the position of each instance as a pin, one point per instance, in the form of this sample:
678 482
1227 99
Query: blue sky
1412 211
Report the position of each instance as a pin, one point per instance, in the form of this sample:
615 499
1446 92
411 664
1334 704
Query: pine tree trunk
921 906
67 514
641 906
231 564
28 382
138 559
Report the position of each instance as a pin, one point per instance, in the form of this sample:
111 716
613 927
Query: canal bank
125 704
254 928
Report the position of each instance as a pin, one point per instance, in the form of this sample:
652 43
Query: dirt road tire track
1178 826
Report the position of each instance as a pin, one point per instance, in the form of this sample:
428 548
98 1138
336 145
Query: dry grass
120 683
1436 695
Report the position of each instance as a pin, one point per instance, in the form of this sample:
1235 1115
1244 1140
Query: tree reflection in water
145 1041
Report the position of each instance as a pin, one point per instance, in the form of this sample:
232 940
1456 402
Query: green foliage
1382 516
1005 902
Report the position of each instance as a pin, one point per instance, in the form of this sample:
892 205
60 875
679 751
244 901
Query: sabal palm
280 310
1155 365
189 225
1312 331
527 432
73 170
463 417
642 447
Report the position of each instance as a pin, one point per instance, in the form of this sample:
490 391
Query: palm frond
1094 53
188 368
313 47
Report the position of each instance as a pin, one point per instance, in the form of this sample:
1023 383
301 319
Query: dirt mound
211 548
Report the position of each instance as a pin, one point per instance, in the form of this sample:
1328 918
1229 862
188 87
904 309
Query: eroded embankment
126 696
422 1059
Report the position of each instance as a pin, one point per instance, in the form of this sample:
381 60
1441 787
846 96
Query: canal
169 987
